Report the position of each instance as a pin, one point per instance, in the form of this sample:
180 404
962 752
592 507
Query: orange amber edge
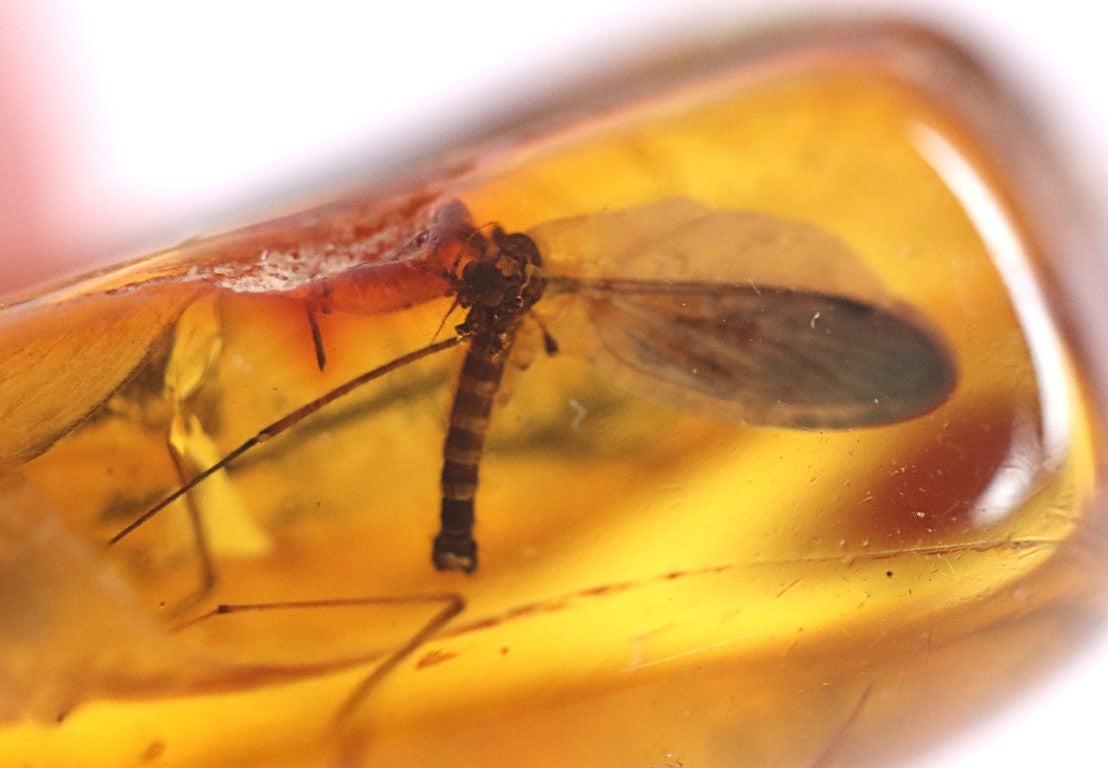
672 573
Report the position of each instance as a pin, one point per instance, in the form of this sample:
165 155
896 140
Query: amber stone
661 583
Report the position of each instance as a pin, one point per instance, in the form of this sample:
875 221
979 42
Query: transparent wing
768 356
683 240
740 315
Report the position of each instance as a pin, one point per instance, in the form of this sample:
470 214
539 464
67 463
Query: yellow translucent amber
658 586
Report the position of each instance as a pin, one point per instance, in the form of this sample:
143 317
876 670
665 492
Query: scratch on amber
825 758
997 545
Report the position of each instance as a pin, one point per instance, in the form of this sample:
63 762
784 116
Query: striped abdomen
454 547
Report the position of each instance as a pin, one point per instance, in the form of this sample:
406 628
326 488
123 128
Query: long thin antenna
449 312
287 422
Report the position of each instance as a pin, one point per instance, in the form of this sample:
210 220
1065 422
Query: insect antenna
445 317
476 240
285 423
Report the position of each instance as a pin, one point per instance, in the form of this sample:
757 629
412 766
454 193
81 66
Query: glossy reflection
660 584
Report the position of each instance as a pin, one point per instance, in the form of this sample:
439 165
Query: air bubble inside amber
656 587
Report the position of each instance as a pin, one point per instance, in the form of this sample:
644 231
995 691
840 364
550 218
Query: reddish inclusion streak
368 289
371 288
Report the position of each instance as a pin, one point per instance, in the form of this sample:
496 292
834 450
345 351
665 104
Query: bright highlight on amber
751 453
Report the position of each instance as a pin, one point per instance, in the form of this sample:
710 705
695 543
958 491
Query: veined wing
766 355
683 240
741 315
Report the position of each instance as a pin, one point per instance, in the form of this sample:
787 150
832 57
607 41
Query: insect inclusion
759 354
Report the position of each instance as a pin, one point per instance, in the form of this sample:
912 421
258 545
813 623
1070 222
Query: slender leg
317 338
352 739
209 577
282 425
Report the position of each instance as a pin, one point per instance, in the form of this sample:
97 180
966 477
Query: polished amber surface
660 584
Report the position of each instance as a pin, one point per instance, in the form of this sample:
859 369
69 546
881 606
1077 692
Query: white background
139 124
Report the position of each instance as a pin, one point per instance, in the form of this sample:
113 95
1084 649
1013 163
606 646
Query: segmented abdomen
454 547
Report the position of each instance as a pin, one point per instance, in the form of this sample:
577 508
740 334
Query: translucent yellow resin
658 586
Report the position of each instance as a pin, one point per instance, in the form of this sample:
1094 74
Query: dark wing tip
774 356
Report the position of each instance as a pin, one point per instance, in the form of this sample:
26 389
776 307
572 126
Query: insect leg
450 604
549 343
208 574
317 337
287 422
352 739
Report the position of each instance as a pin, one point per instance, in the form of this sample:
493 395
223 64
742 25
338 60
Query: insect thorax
499 285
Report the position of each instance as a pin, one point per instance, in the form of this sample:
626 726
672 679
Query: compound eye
484 283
